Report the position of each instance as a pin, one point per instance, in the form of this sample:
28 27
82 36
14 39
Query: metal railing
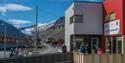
46 58
94 58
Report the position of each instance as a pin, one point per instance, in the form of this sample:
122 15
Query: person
88 48
95 48
25 52
82 48
15 53
11 53
20 53
64 48
99 52
29 52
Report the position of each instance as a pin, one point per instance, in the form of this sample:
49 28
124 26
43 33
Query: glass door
108 44
94 44
119 44
114 44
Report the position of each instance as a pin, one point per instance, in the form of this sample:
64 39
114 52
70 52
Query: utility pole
36 29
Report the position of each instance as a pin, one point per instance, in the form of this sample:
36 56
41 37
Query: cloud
2 10
17 7
19 22
13 7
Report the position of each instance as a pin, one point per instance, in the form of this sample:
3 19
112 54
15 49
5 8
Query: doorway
94 44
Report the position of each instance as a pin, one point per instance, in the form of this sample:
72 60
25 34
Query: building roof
9 29
88 2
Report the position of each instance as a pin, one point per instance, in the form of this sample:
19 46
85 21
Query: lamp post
17 41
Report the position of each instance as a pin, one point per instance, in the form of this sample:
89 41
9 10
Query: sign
112 27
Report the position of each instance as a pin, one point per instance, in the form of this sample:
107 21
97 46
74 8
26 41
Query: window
71 20
76 19
107 17
110 17
114 44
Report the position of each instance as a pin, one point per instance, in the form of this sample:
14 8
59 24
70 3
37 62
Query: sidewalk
48 50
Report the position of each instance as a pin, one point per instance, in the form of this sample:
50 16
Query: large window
114 44
113 16
110 16
76 19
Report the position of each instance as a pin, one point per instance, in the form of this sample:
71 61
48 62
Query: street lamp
17 41
2 24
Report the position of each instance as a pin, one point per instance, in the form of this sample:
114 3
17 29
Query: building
53 31
12 36
113 25
83 23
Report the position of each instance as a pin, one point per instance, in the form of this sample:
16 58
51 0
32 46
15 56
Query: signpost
17 41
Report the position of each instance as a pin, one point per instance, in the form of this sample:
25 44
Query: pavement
2 54
49 49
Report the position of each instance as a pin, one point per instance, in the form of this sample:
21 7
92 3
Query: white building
83 23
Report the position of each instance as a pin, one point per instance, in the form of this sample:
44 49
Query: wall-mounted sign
112 27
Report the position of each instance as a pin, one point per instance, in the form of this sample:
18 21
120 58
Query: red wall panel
115 6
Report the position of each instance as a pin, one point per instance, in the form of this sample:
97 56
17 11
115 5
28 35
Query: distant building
83 23
59 24
55 31
12 36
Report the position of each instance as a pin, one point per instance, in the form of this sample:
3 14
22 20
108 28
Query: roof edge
88 2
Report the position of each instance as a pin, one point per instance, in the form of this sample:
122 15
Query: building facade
113 25
11 36
83 24
100 24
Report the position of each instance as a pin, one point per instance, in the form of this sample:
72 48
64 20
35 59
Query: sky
22 12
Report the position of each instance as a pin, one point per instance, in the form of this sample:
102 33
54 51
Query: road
2 54
46 50
49 49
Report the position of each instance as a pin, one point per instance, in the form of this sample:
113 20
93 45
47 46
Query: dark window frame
76 19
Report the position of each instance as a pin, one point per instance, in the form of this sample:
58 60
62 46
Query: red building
113 27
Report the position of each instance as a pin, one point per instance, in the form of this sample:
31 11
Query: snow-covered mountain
30 30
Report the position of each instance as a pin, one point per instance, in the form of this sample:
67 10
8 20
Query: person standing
82 48
64 48
88 48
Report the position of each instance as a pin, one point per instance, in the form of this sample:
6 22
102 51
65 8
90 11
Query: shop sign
112 27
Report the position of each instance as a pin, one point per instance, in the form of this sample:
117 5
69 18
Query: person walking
64 48
88 48
82 48
11 53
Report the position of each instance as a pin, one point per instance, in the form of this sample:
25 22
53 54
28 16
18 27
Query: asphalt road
49 49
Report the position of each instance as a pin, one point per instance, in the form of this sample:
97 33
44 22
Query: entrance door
94 43
119 46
